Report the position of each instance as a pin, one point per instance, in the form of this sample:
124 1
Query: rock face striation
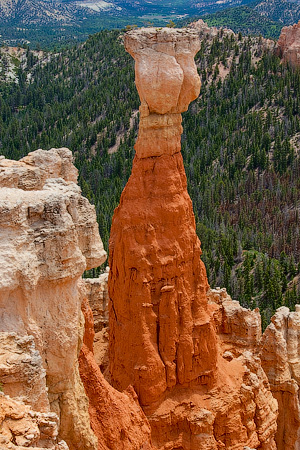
116 417
199 384
289 44
161 329
97 296
21 427
49 236
193 358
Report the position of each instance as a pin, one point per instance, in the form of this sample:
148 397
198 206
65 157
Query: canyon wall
49 236
116 417
199 382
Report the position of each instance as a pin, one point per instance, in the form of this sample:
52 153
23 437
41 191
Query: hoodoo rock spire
161 329
192 367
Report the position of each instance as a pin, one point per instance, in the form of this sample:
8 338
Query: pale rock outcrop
24 428
204 30
167 338
96 292
280 355
32 171
49 236
239 328
97 295
289 44
167 81
22 372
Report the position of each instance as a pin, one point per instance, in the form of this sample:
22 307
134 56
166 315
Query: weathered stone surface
158 307
97 295
204 30
23 428
238 412
116 418
280 357
289 44
166 75
101 351
167 81
32 171
161 332
189 362
96 292
239 328
22 372
49 236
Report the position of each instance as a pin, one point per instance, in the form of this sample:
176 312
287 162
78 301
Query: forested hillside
244 19
285 12
56 23
240 146
259 17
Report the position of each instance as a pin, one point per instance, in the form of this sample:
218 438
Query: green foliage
83 98
244 20
170 24
243 170
284 12
241 19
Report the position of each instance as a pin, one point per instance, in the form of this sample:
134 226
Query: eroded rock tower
161 330
167 338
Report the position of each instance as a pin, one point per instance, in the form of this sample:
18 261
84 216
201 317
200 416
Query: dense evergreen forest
244 19
259 17
240 147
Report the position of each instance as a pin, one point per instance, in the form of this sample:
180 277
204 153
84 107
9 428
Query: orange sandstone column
161 334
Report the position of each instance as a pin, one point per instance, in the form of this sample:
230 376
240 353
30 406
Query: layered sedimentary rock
280 357
22 372
289 44
204 30
116 417
49 237
21 427
199 385
239 411
97 295
161 330
238 328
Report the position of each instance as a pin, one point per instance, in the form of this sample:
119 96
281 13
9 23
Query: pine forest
240 147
